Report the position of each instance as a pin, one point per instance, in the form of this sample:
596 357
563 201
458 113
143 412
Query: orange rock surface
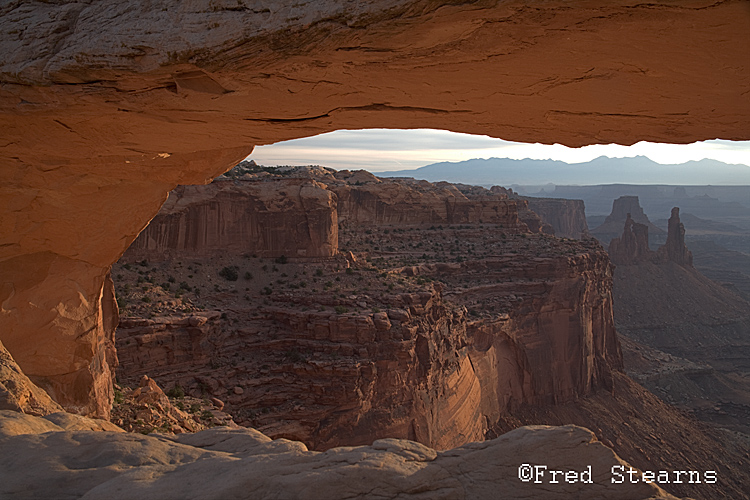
298 220
105 107
364 199
403 363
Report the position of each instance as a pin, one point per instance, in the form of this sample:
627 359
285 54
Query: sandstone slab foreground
42 460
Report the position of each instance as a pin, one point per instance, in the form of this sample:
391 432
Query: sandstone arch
105 107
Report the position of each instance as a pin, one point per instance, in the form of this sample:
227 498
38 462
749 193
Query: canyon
419 329
383 340
106 107
129 112
684 337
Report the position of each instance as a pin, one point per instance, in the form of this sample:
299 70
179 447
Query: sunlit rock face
299 219
106 106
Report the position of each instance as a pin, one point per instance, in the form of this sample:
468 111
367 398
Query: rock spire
674 249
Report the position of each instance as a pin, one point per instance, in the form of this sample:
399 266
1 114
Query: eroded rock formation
675 249
229 461
368 200
18 393
167 343
632 246
529 217
567 217
134 98
627 206
296 218
73 316
403 364
563 218
296 213
624 208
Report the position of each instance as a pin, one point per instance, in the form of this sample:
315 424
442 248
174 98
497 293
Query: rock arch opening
101 120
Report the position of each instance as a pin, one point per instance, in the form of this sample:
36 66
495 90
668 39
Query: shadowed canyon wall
105 107
567 217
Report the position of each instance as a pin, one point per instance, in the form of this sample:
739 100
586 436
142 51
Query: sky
379 150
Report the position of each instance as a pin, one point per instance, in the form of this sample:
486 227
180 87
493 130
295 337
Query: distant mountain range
602 170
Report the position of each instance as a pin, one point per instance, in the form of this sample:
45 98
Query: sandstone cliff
564 329
528 320
563 218
623 208
296 212
567 217
167 343
529 217
632 246
324 378
365 199
296 218
675 249
130 103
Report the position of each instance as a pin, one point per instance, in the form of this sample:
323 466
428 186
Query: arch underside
105 108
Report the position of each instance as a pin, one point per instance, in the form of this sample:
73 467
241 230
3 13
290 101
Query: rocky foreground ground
46 453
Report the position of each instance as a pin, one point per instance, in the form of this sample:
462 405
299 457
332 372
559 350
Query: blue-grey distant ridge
602 170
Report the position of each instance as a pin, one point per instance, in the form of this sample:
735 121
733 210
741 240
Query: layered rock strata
130 103
528 320
632 246
567 217
329 379
558 341
167 343
368 200
296 212
295 217
557 216
529 217
623 208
